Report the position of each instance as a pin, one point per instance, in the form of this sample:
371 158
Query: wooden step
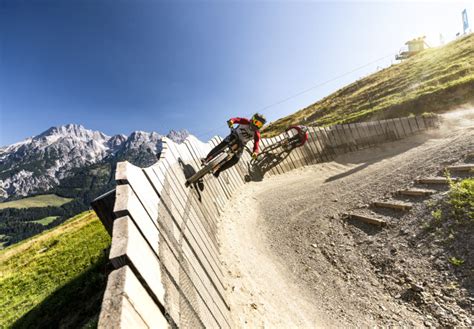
434 180
367 219
415 192
392 205
461 167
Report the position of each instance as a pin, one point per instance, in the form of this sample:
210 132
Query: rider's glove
230 123
254 155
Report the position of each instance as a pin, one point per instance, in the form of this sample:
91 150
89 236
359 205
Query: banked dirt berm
165 247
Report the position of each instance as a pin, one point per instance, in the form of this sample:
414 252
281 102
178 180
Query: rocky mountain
40 163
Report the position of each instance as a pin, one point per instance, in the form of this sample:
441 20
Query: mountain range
53 158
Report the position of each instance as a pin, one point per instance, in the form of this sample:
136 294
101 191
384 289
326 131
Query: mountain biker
245 131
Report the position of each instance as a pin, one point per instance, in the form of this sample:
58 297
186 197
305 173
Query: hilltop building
413 47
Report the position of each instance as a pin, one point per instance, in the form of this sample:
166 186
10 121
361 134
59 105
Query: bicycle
287 144
234 146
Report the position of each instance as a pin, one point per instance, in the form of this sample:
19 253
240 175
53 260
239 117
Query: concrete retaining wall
165 246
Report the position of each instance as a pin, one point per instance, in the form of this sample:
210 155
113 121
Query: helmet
258 120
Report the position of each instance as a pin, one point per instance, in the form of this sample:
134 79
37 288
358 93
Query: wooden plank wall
166 235
325 143
165 245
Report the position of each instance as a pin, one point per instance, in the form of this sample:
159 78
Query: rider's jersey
246 132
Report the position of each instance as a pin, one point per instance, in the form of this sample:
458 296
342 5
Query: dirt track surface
294 262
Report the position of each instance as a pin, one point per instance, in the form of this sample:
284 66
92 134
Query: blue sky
119 66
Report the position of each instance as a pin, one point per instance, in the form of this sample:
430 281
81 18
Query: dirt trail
292 261
264 292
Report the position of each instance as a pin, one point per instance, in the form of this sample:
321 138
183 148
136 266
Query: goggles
257 123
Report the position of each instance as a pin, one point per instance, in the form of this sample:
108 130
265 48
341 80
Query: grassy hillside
36 201
432 81
55 279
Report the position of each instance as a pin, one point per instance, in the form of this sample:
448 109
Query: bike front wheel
206 169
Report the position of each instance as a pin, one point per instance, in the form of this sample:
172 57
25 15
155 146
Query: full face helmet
258 120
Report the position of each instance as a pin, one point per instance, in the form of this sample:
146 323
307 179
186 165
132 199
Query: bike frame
215 163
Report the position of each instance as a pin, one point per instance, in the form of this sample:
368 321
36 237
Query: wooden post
126 304
321 137
357 137
393 129
400 130
312 147
406 126
421 123
413 124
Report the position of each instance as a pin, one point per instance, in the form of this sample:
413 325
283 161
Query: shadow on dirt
349 172
267 161
367 157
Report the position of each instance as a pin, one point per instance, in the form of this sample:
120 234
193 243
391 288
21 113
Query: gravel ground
293 261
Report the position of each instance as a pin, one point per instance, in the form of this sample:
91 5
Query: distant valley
70 162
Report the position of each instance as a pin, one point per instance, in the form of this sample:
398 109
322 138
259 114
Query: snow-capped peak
72 130
59 149
178 136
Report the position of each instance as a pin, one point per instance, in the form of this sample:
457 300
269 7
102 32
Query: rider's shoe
203 161
216 174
